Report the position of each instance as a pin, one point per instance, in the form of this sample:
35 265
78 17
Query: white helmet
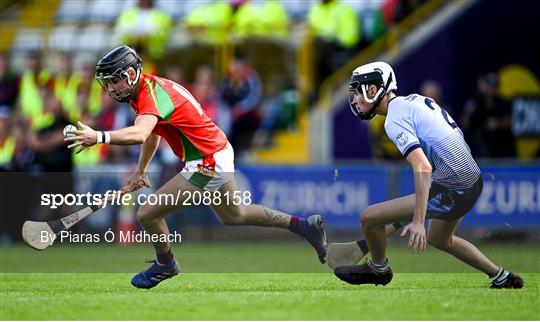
378 73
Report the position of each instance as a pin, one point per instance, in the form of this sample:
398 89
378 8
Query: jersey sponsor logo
402 139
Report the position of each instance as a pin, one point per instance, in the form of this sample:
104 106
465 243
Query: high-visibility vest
335 21
32 104
66 91
7 150
90 156
158 40
95 102
215 20
274 20
268 20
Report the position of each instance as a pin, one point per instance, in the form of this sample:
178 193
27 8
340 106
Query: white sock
501 277
379 268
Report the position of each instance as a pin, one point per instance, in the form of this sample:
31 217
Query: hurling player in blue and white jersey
447 180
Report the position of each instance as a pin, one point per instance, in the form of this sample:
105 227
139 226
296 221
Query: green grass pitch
281 281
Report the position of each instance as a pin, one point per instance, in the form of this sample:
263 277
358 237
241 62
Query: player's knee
231 216
143 215
367 217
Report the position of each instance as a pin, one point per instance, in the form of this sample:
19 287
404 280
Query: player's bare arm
136 134
132 135
422 181
139 178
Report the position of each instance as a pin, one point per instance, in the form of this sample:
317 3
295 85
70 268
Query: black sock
294 224
362 244
165 258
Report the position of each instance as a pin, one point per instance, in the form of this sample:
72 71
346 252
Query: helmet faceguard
118 85
112 73
370 74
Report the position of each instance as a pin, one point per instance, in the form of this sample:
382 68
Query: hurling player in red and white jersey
167 110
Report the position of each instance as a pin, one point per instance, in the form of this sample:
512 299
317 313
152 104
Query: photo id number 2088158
215 198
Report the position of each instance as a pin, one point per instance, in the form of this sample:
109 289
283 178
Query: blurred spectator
23 157
7 141
13 157
53 159
48 143
9 84
242 92
333 21
206 93
89 92
389 11
177 75
150 66
31 102
210 23
373 24
433 89
268 19
486 121
204 90
337 32
89 103
65 85
279 111
113 116
146 26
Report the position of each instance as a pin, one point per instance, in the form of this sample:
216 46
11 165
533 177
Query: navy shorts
451 204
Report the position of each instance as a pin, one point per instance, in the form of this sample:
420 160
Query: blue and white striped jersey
417 121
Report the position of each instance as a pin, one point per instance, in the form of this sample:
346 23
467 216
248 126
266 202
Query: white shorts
211 172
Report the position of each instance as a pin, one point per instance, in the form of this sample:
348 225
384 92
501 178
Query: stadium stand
88 28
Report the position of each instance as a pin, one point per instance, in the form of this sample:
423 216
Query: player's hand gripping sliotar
86 137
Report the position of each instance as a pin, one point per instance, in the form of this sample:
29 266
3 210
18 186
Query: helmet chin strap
133 82
374 99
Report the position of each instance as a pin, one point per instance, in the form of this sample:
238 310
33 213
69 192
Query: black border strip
411 148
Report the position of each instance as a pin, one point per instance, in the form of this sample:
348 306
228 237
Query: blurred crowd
339 29
344 24
36 103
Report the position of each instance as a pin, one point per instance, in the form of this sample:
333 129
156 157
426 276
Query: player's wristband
103 137
107 137
99 137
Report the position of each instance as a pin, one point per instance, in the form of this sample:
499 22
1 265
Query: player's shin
159 228
376 240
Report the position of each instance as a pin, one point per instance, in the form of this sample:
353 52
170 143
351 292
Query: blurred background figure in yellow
337 30
146 26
